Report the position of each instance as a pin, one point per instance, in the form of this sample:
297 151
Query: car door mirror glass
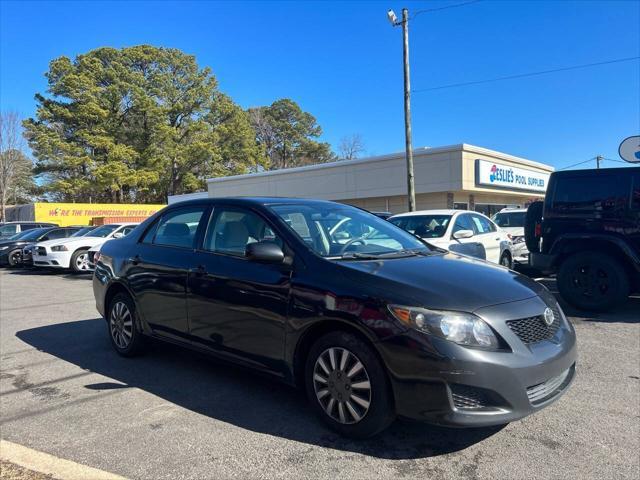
266 251
118 235
460 234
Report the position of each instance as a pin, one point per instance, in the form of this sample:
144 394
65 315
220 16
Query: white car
72 253
512 220
96 248
460 231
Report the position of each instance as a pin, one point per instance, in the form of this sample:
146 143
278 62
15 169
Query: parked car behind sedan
11 250
378 326
9 229
27 251
460 231
94 251
511 220
72 253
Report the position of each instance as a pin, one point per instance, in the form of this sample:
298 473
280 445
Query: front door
158 273
487 234
238 307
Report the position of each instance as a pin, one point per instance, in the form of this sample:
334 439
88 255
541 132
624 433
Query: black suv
587 231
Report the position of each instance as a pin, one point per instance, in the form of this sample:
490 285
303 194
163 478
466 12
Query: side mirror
118 235
266 252
460 234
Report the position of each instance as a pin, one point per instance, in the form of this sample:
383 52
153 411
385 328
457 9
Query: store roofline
389 156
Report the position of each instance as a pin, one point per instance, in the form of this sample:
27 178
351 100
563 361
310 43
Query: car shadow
629 312
43 272
233 395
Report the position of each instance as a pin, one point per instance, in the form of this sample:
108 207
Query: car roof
442 211
595 171
248 201
507 210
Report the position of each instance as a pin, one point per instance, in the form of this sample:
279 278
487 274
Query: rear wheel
126 337
80 261
592 281
347 386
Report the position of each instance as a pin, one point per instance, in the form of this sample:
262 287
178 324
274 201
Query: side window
481 225
178 228
232 230
29 226
54 234
8 230
463 222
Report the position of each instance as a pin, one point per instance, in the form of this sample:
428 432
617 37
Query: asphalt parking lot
173 414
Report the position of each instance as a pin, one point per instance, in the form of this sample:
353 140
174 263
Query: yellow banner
65 214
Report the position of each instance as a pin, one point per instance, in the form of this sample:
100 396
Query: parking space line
51 465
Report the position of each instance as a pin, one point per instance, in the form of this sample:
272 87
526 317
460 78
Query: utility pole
599 158
411 191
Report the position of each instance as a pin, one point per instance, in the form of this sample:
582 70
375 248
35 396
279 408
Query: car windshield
346 232
83 231
423 226
510 219
102 231
33 234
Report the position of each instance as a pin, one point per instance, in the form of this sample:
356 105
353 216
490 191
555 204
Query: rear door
158 270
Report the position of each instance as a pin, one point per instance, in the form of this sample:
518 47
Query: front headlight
59 248
458 327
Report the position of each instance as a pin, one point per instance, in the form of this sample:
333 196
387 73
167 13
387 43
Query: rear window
424 226
510 219
585 195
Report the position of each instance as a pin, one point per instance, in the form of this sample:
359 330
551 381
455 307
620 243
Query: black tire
75 260
533 217
380 411
506 260
125 345
14 258
593 281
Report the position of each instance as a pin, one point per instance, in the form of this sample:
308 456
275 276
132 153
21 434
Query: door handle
134 260
200 270
498 238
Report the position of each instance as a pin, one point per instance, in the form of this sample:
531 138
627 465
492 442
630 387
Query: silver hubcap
82 261
121 325
342 385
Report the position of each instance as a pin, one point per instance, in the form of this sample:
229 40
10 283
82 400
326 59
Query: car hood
12 243
74 241
447 281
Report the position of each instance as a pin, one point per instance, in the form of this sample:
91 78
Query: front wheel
505 260
80 261
14 258
347 386
592 281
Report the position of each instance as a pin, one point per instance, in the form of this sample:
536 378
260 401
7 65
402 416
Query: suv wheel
347 386
126 337
80 261
592 281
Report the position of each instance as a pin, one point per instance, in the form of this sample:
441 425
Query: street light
407 102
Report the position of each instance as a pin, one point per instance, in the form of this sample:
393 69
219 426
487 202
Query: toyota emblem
549 316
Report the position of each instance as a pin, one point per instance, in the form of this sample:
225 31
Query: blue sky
342 62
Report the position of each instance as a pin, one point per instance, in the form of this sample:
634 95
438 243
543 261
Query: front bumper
52 259
443 383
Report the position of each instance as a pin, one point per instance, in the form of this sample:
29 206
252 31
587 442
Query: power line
530 74
576 164
446 7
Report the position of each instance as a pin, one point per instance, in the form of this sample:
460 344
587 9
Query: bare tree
265 133
14 165
351 147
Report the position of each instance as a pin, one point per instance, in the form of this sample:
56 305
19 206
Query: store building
457 176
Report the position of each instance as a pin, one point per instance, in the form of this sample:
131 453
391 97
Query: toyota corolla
373 322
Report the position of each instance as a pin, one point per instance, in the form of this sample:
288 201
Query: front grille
468 398
41 251
534 329
549 389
